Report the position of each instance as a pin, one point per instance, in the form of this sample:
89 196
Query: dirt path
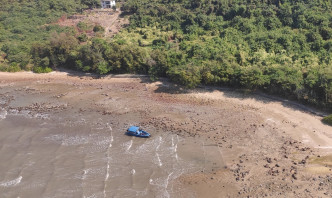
270 148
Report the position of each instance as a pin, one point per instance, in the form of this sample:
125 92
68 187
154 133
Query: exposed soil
109 19
271 148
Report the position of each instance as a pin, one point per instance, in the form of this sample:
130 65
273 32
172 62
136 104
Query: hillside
279 46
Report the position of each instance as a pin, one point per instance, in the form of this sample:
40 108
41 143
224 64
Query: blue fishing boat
136 131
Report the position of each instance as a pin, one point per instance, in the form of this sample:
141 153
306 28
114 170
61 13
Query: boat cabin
107 4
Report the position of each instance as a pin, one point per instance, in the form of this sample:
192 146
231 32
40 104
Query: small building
107 4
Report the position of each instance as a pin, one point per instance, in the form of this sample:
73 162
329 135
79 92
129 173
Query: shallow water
43 157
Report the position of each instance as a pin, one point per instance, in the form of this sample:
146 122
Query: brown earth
109 19
271 148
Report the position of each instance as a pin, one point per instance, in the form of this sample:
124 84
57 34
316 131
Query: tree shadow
165 86
80 74
75 73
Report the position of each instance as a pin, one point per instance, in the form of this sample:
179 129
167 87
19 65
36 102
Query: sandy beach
206 142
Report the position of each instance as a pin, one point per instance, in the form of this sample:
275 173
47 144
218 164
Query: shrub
328 120
86 68
98 28
42 69
45 62
3 68
13 67
82 38
102 67
158 42
83 26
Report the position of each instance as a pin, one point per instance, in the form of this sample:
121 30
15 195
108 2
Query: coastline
268 148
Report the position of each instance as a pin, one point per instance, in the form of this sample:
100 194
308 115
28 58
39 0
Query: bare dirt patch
109 19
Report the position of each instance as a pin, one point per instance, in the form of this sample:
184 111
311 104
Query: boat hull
138 133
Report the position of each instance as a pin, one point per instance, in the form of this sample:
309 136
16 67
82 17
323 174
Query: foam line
172 142
3 114
107 171
175 146
130 145
175 151
167 181
160 139
12 182
157 148
108 162
112 139
85 173
159 161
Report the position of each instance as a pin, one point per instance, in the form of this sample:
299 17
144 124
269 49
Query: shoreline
268 147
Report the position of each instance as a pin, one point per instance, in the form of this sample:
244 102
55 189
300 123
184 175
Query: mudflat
62 135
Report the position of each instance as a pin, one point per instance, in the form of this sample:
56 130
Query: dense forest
281 47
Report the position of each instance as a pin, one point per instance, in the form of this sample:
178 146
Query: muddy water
45 155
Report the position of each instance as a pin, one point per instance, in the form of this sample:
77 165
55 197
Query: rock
269 160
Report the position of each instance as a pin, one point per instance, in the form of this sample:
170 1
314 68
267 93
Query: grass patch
328 120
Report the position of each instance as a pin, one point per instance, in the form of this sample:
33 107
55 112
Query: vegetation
328 120
282 47
23 23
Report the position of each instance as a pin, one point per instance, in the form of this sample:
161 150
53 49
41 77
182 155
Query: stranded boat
136 131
